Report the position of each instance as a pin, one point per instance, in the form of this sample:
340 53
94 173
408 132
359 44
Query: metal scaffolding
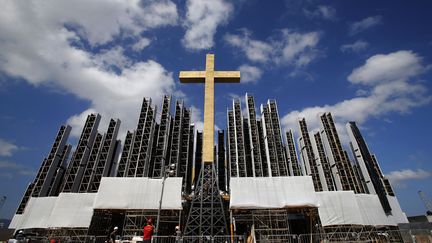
88 172
294 166
183 162
198 158
107 154
308 156
336 154
124 158
276 168
25 198
239 139
176 137
162 139
190 163
221 172
45 177
232 154
79 160
60 173
134 154
254 143
145 153
277 138
324 162
261 138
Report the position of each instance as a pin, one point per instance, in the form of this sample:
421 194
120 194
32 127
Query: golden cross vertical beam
209 77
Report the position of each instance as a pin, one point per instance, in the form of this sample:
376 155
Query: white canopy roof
345 207
72 210
334 207
338 208
75 210
37 212
272 192
16 221
138 193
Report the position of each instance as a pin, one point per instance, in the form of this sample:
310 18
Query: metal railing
385 236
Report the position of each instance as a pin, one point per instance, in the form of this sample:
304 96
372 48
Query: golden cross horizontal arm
219 76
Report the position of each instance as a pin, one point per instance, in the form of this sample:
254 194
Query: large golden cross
209 77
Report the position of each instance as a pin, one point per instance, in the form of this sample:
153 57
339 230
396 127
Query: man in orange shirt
148 231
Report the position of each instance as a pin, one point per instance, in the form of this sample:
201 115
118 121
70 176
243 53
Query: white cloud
141 44
250 74
399 65
386 94
397 178
7 148
37 47
364 24
290 48
321 12
356 47
202 19
109 58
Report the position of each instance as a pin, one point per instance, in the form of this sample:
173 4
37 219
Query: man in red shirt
148 231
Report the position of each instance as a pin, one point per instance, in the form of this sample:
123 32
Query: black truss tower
206 216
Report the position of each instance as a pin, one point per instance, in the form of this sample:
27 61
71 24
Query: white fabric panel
398 216
72 210
138 193
272 192
16 221
37 212
339 208
372 211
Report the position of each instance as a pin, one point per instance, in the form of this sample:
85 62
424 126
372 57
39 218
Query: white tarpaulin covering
37 212
372 211
138 193
398 216
72 210
16 222
272 192
338 208
345 207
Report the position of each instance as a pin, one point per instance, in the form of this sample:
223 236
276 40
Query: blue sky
365 61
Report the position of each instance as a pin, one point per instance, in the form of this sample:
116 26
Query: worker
112 236
148 231
178 234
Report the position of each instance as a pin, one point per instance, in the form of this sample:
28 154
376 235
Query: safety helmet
116 228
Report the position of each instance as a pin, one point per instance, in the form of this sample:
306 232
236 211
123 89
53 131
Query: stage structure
254 178
206 215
